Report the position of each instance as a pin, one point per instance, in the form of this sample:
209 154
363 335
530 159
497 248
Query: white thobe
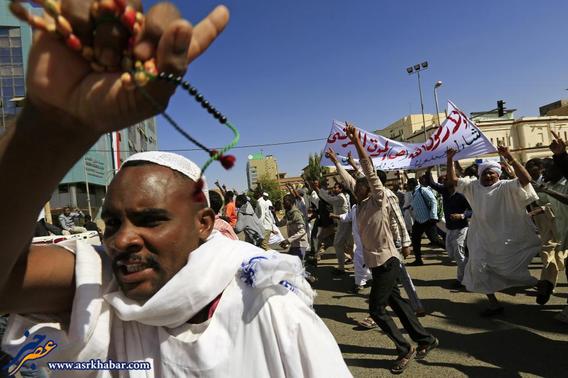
501 239
263 326
362 272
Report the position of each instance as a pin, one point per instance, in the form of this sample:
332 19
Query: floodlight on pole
436 86
416 69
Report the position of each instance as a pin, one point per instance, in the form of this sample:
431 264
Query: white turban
173 161
492 165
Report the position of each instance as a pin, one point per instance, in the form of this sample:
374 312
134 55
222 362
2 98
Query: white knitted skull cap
173 161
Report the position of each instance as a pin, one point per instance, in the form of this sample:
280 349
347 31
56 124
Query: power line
238 147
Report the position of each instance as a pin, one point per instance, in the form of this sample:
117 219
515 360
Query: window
14 32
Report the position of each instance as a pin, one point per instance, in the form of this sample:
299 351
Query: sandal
368 323
401 363
423 350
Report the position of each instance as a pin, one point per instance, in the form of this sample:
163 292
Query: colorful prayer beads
136 74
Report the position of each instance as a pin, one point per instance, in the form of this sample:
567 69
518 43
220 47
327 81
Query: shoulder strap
424 199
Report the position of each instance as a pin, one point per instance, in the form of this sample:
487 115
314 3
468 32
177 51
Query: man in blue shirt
456 211
425 214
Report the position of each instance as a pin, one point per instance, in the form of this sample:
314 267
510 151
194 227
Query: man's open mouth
128 267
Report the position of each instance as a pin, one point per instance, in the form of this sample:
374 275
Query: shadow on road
512 350
524 315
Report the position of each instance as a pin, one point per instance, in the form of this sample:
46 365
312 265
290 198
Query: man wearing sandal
382 257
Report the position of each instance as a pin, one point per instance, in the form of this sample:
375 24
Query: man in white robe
502 239
166 293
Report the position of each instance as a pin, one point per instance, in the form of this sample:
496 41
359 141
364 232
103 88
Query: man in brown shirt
382 257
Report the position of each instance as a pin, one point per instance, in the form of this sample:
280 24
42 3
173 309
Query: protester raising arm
433 184
68 108
375 184
563 198
521 172
347 179
451 176
222 188
356 167
558 148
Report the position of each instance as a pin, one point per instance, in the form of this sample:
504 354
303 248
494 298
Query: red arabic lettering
381 151
445 138
373 145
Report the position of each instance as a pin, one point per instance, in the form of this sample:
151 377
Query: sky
284 70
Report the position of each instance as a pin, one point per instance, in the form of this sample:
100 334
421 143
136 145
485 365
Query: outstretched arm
558 148
433 184
374 183
522 174
223 189
68 108
451 176
348 181
563 198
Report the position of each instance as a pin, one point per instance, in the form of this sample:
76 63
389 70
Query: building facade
15 43
84 186
260 166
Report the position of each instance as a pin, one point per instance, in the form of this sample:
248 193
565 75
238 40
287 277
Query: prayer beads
136 74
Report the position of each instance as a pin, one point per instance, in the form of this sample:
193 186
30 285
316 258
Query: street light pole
436 86
422 106
416 69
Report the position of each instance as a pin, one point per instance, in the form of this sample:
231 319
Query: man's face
337 189
551 173
361 191
152 224
412 185
239 202
67 211
442 180
488 177
534 170
288 203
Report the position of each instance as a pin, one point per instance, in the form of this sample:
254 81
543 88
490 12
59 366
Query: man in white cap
502 239
167 294
264 213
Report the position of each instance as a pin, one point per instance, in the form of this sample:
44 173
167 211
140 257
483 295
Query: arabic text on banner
457 132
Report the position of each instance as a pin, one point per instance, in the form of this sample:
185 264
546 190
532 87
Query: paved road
525 341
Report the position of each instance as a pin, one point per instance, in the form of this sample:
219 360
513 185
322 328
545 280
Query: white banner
457 132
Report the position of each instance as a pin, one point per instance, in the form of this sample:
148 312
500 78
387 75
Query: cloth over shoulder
263 325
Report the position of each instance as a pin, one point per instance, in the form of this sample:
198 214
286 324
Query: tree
271 186
314 170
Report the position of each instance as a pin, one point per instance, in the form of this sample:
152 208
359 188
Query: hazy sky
283 70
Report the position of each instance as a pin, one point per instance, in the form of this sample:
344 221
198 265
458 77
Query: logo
33 350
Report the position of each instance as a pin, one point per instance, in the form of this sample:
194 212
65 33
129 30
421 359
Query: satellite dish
250 157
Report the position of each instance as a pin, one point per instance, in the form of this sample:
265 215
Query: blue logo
33 350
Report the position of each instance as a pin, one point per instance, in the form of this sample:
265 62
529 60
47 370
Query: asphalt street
525 341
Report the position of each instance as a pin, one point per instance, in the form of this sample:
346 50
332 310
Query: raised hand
450 153
504 151
61 83
558 145
350 159
330 154
351 132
